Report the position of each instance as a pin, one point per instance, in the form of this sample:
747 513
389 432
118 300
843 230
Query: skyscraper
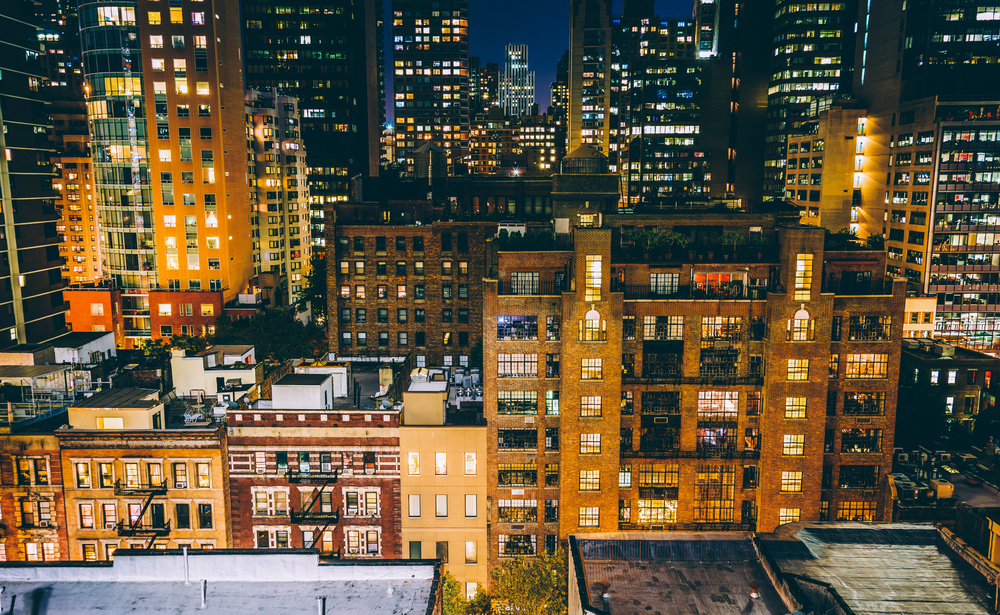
813 57
431 76
32 309
335 68
165 88
590 74
559 91
517 89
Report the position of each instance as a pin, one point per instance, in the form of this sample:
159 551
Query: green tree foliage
276 334
155 348
454 602
535 586
191 343
314 290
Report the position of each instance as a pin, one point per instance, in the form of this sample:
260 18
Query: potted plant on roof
730 240
652 242
759 243
674 242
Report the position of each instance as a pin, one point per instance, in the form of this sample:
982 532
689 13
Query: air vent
863 420
517 527
753 420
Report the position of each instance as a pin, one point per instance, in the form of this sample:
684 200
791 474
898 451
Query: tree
191 343
155 348
535 586
454 602
314 290
276 335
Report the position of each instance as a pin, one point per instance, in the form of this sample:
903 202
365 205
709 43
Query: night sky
541 24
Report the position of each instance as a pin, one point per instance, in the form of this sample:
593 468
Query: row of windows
146 474
416 243
402 315
104 515
382 268
360 339
519 365
419 292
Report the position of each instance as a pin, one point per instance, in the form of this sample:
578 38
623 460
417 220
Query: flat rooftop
302 380
703 574
879 569
238 582
27 372
76 339
122 398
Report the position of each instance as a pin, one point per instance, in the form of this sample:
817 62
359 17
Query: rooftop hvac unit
945 458
904 457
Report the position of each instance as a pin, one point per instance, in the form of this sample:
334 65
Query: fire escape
133 525
312 512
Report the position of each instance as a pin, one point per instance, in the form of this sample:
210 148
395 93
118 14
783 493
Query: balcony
547 288
319 518
297 476
733 291
699 454
691 527
709 380
143 530
138 489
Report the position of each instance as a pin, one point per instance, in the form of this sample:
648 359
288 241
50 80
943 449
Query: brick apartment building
400 289
715 394
140 476
316 478
31 498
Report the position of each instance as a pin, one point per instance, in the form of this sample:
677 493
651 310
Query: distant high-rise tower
820 37
32 309
559 91
517 88
342 118
431 77
590 74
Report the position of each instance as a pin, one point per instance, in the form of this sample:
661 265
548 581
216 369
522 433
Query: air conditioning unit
753 420
516 527
352 551
863 420
183 484
109 525
904 457
261 470
43 524
945 457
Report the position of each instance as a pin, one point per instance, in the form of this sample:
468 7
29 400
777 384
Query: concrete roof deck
76 339
665 573
238 582
881 569
122 399
303 380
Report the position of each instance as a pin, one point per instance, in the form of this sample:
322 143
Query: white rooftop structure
221 582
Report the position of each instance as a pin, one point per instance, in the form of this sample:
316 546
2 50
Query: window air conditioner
43 524
353 551
182 484
109 525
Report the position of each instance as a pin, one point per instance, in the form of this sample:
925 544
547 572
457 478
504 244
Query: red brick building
400 289
705 387
324 479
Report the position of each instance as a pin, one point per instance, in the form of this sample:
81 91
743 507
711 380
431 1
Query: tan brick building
139 476
31 499
739 393
400 289
74 183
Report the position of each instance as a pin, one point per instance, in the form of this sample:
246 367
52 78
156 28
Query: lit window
440 464
593 278
165 309
413 464
470 464
590 405
202 88
590 480
590 444
798 369
591 369
590 516
793 445
164 155
795 407
788 515
791 482
803 277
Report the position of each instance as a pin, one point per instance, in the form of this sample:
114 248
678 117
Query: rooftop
80 338
933 352
153 582
302 380
122 398
704 573
29 372
881 568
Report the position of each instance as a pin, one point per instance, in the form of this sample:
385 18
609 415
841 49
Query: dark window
463 338
446 242
517 439
383 315
420 338
183 514
463 315
205 516
380 244
463 242
418 244
401 245
359 244
858 477
750 477
552 439
419 314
